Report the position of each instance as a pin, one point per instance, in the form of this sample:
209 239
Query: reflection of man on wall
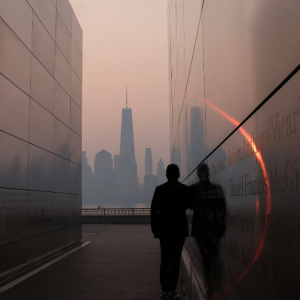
209 224
169 224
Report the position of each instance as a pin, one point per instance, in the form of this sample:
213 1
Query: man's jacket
168 217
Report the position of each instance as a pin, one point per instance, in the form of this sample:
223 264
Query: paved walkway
121 262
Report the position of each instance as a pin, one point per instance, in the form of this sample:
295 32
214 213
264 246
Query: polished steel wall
242 164
40 131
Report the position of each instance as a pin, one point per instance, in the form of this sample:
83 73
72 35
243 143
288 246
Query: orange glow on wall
262 164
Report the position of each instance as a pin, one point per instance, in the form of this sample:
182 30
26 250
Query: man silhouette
169 224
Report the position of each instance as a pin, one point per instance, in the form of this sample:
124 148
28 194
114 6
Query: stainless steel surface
76 89
75 233
61 238
260 184
232 42
40 245
42 85
75 179
40 169
46 11
62 71
65 10
61 139
13 255
75 146
76 32
40 188
13 162
41 126
196 109
30 2
61 211
61 175
14 112
244 224
75 209
48 262
62 106
17 14
76 60
14 58
14 210
190 17
43 46
63 38
40 215
196 291
76 118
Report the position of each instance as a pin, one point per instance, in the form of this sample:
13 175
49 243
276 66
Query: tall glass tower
125 164
148 162
127 139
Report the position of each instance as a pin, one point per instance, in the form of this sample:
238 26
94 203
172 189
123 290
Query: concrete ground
121 262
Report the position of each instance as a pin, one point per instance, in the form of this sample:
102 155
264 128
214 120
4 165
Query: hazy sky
125 43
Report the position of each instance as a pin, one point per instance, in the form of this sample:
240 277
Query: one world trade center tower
125 164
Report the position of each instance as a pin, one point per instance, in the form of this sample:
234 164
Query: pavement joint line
37 270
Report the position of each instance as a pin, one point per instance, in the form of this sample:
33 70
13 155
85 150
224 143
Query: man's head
203 172
172 172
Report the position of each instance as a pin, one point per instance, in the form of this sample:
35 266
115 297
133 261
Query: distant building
150 183
148 162
150 180
126 178
125 164
88 195
84 159
103 178
161 172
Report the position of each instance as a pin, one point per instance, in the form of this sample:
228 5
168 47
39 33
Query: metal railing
116 211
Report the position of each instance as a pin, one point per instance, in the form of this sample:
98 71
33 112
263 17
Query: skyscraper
161 172
127 139
125 164
88 195
150 183
103 179
148 162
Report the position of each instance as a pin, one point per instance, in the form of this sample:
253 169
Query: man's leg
177 245
164 263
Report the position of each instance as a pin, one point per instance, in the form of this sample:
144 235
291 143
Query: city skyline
160 164
114 180
125 146
114 60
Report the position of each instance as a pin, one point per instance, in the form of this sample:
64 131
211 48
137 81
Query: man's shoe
164 295
173 295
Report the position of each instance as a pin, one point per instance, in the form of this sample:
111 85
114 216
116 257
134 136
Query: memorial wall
40 131
235 133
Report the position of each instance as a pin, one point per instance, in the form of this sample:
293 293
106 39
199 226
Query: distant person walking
169 224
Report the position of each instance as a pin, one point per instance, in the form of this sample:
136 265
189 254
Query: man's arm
154 212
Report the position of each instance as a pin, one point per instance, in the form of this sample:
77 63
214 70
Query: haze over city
194 192
125 43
